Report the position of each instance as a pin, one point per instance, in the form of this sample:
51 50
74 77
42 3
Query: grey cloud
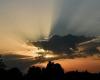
77 17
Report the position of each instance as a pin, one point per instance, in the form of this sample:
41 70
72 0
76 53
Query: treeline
51 72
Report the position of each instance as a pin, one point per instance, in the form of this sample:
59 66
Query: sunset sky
23 20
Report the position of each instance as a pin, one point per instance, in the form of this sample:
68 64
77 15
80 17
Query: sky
34 19
27 18
78 17
22 20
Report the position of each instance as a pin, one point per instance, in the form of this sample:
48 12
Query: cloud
80 17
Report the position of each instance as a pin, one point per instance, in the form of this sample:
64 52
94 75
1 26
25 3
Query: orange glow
81 64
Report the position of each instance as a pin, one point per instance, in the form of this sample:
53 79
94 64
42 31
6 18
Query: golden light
41 53
50 56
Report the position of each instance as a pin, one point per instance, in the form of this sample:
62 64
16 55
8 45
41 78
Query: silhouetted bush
14 74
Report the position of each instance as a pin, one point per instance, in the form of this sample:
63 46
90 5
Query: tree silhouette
53 71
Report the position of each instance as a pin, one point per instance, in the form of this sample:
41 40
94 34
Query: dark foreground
51 72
